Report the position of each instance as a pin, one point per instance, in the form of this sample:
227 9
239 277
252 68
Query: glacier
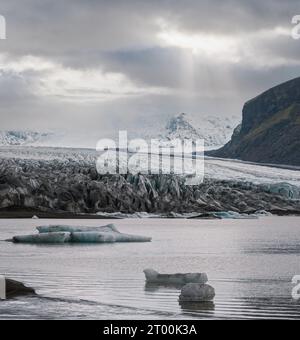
59 180
215 169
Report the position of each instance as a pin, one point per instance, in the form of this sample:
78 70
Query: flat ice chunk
43 238
79 229
153 276
195 292
2 288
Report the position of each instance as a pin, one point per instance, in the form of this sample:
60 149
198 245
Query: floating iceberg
43 238
153 276
234 215
70 229
195 292
68 234
263 213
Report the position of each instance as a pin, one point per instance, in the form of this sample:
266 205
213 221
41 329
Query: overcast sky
90 65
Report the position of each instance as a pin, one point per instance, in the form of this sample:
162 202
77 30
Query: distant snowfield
220 169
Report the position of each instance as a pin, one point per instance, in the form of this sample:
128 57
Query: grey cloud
71 26
121 36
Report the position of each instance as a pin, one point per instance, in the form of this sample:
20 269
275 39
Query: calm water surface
249 262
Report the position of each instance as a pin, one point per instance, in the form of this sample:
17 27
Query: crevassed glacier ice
284 189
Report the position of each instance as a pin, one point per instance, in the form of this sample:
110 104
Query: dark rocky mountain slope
270 130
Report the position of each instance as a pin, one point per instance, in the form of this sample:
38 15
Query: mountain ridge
270 130
214 130
23 138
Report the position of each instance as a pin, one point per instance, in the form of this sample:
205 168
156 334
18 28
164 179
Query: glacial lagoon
250 263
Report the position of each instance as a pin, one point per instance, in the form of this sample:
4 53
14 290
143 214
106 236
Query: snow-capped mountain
214 130
8 138
179 127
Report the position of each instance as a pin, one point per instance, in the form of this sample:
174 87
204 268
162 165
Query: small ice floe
224 215
153 276
35 217
2 288
263 213
10 289
57 234
196 292
234 215
204 216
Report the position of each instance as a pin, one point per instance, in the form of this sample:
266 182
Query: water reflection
274 249
197 306
154 287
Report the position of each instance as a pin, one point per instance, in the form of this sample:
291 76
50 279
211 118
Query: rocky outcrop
16 289
270 130
70 187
